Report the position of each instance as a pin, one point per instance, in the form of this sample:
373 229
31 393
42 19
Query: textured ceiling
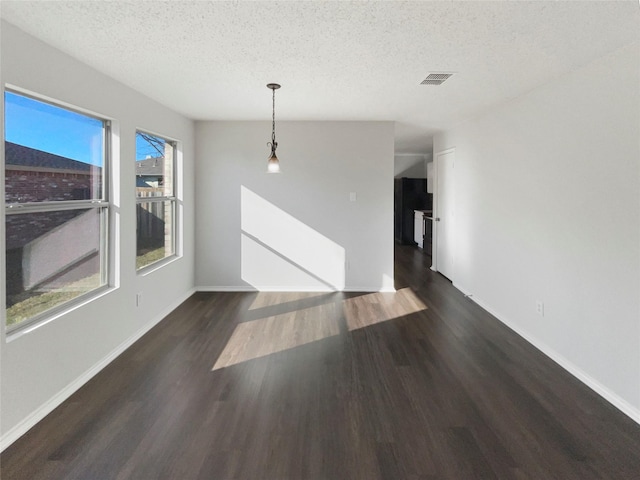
335 60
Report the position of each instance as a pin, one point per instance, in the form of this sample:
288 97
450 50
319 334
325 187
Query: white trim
217 288
466 293
446 150
610 396
370 289
271 288
23 427
157 265
56 312
246 288
55 102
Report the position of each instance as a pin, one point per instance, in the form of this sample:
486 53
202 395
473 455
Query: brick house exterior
35 176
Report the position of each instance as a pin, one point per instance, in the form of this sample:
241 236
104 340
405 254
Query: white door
445 213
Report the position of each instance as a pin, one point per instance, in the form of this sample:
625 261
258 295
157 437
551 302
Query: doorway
444 198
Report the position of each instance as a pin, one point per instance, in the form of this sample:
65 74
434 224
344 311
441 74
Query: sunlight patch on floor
259 338
270 299
366 310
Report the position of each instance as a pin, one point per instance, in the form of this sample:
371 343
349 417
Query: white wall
548 208
296 230
41 367
410 165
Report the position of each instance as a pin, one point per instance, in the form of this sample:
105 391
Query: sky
56 130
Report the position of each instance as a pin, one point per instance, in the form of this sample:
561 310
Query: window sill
152 267
54 314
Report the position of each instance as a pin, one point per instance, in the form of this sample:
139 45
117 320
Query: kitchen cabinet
409 194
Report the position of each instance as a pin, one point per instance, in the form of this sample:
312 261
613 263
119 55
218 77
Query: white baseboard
613 398
242 288
22 427
370 290
246 288
270 288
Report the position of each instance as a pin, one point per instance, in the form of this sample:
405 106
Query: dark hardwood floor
420 384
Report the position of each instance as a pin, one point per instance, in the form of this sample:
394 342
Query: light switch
353 196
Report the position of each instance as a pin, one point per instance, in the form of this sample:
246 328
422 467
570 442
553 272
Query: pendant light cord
273 125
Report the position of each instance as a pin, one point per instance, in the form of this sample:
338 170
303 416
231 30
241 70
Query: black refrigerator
409 194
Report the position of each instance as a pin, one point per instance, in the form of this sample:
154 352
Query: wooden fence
151 218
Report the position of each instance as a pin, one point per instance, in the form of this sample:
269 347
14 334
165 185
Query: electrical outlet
540 307
138 299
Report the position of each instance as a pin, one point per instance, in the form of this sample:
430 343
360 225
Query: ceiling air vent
435 78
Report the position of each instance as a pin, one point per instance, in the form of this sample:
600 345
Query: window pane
155 177
52 257
51 153
155 232
154 166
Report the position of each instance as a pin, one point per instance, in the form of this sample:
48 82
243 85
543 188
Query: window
155 199
56 207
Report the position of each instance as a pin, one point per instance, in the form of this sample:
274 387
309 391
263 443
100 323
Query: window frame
172 199
103 205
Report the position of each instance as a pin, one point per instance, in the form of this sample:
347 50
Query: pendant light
273 165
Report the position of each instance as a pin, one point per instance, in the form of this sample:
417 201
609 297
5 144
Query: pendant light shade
273 164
